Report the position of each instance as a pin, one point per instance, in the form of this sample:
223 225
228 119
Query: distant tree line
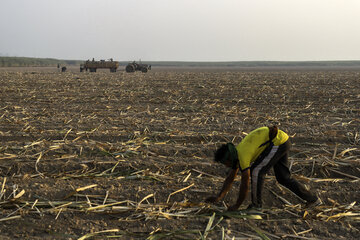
258 64
50 62
34 62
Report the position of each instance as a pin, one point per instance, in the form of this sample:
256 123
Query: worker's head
227 155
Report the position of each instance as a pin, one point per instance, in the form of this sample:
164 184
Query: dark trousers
276 157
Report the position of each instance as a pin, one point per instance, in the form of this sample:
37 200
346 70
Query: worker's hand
233 207
212 199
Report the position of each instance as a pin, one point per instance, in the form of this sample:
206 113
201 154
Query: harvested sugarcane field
131 155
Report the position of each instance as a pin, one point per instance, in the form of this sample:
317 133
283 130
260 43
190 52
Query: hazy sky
184 30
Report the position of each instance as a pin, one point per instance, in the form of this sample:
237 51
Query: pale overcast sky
181 30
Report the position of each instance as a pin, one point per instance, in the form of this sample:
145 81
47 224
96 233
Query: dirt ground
130 156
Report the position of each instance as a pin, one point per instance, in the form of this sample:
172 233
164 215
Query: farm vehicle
134 66
93 65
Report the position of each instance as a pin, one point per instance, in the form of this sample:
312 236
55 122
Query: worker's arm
226 186
244 189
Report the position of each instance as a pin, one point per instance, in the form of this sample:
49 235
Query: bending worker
260 150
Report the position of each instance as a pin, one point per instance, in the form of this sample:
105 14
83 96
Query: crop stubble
96 155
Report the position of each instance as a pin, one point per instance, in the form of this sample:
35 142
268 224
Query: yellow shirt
248 149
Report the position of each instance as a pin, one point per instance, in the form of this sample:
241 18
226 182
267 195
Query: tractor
134 66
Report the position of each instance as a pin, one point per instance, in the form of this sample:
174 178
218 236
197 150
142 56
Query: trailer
93 65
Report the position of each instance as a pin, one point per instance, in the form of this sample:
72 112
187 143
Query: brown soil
139 147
